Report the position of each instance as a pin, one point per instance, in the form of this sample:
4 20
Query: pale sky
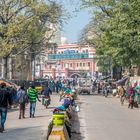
74 25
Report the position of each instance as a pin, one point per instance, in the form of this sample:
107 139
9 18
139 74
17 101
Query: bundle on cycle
46 95
66 100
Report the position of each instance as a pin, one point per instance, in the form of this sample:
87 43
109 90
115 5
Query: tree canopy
25 28
23 24
116 27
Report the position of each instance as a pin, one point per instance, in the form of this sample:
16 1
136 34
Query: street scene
69 70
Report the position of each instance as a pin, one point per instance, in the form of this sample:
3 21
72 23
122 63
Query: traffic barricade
59 132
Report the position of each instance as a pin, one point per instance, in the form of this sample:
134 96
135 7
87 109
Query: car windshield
84 82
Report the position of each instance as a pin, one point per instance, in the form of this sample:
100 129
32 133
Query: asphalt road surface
29 128
105 119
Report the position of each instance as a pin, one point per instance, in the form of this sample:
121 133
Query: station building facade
70 61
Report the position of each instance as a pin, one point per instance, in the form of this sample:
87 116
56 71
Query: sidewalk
29 128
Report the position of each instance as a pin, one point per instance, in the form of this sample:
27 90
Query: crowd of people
130 93
65 88
21 97
10 96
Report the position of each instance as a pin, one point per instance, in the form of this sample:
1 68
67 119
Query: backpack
22 97
26 99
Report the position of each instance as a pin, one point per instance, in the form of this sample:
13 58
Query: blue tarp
123 80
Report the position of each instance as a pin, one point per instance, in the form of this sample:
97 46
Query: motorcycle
106 91
47 101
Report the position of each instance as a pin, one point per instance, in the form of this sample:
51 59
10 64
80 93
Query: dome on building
64 40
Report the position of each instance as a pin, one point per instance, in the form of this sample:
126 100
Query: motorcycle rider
46 93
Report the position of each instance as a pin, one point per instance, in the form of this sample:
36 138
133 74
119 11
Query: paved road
105 119
29 129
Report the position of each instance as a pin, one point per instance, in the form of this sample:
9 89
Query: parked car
84 86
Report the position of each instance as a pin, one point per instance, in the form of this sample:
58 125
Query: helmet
73 90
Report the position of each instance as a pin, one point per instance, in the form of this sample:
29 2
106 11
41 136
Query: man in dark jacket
46 93
5 100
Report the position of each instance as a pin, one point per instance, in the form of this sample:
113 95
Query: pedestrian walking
136 95
131 101
33 96
5 100
121 92
131 97
22 100
57 86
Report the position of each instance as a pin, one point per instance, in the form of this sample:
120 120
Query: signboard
69 51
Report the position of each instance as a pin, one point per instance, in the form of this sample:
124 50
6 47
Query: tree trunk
5 68
29 71
33 66
2 68
139 71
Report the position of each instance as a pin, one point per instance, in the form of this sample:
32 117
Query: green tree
23 26
117 24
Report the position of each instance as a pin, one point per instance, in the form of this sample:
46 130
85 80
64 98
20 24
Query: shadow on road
19 133
76 128
13 109
41 116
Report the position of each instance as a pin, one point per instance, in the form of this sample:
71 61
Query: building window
71 65
77 64
67 65
77 51
46 65
64 65
83 51
83 64
87 51
89 64
80 64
